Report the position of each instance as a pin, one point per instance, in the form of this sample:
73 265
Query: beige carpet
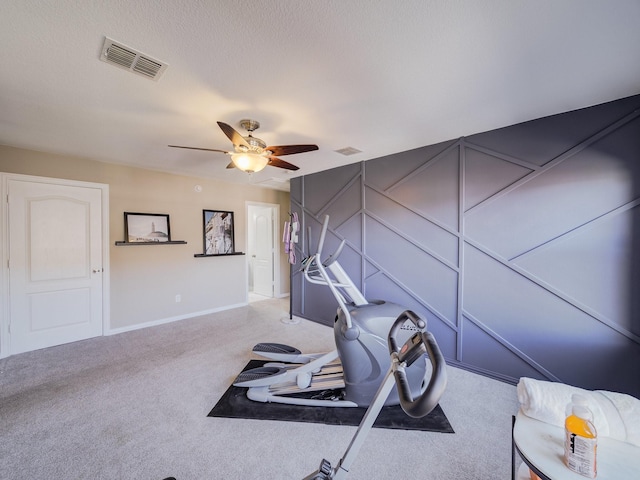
135 405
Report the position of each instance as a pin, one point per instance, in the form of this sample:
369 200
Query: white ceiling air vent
129 59
346 151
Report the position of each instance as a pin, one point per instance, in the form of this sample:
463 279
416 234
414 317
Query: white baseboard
162 321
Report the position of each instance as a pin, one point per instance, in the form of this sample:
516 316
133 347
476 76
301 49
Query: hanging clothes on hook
290 236
295 228
286 236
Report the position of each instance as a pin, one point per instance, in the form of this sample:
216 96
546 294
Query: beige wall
144 280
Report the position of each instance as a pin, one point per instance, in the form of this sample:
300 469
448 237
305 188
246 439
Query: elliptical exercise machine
351 374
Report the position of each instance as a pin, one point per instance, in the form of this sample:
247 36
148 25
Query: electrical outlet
178 298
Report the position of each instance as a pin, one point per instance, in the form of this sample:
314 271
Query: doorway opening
262 252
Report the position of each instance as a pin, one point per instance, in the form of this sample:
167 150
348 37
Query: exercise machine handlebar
323 232
331 274
334 256
420 343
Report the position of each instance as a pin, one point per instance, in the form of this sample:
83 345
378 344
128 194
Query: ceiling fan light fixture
250 154
249 162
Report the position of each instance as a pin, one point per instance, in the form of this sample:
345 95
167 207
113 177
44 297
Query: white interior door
263 250
55 264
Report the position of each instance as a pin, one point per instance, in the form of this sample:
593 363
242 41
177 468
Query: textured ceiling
378 76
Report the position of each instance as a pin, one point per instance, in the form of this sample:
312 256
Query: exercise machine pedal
259 376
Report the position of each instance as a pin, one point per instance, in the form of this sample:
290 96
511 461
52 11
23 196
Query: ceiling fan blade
234 136
196 148
291 149
276 162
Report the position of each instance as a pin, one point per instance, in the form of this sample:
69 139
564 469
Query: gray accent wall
520 246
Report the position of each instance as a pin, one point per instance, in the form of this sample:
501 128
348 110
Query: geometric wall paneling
412 267
518 246
619 366
296 192
485 352
601 172
621 149
382 287
385 288
370 271
318 299
432 189
296 287
438 240
447 338
534 212
541 140
632 322
485 174
581 184
328 185
559 197
350 230
344 205
512 306
384 172
591 265
537 321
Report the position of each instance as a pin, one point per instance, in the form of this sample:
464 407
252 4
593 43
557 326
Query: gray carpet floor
135 405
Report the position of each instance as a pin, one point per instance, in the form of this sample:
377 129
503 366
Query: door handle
97 270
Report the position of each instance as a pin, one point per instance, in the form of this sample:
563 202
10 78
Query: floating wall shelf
172 242
217 254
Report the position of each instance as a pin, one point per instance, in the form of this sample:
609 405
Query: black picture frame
218 232
146 228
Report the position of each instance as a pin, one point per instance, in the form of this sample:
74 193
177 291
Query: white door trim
5 344
276 244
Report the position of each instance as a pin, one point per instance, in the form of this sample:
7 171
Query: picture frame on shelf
218 232
146 228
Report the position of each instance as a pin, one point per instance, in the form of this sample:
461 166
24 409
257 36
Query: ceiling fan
250 154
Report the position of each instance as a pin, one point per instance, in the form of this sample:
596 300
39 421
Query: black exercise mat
235 404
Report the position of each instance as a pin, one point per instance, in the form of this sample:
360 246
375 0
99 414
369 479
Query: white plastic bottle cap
576 399
582 411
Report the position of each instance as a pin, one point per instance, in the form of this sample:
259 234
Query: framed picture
218 232
146 227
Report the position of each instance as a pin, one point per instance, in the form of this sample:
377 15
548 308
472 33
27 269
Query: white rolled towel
615 415
627 422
